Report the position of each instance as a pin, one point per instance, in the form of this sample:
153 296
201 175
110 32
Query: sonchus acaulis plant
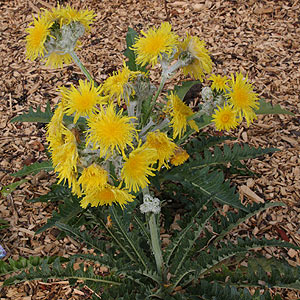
124 151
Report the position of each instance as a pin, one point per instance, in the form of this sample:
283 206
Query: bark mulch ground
260 38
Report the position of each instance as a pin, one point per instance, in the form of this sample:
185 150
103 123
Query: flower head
56 127
179 113
65 158
110 130
93 177
55 34
67 14
162 144
82 101
242 97
37 36
137 168
219 82
200 63
154 44
107 196
119 85
57 60
225 118
179 157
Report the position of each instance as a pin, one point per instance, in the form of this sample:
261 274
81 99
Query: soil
258 38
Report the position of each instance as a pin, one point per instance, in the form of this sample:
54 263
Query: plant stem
154 235
156 248
167 73
162 83
81 66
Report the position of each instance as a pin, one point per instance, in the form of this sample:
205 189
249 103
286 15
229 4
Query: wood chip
245 190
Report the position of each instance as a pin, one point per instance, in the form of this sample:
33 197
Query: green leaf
266 108
57 193
232 155
68 212
209 183
129 53
34 168
8 189
25 263
203 121
35 116
46 271
91 242
3 224
260 273
131 243
213 185
233 223
216 256
181 90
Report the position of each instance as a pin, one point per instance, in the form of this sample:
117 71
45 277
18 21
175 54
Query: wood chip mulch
260 38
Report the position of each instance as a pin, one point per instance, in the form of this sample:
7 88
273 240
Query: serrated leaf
25 263
46 271
213 185
34 168
68 211
129 53
35 116
266 108
58 192
8 189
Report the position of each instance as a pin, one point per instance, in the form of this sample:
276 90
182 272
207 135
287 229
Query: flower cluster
54 34
235 100
107 141
99 152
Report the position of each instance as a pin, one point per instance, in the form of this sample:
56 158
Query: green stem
155 241
154 235
81 66
167 73
162 83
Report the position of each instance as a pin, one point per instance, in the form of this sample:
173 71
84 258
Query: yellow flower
179 113
201 62
93 177
154 44
48 39
65 158
225 118
57 60
162 144
110 130
85 17
37 36
82 101
106 196
137 168
55 128
119 85
219 82
66 15
179 157
242 97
